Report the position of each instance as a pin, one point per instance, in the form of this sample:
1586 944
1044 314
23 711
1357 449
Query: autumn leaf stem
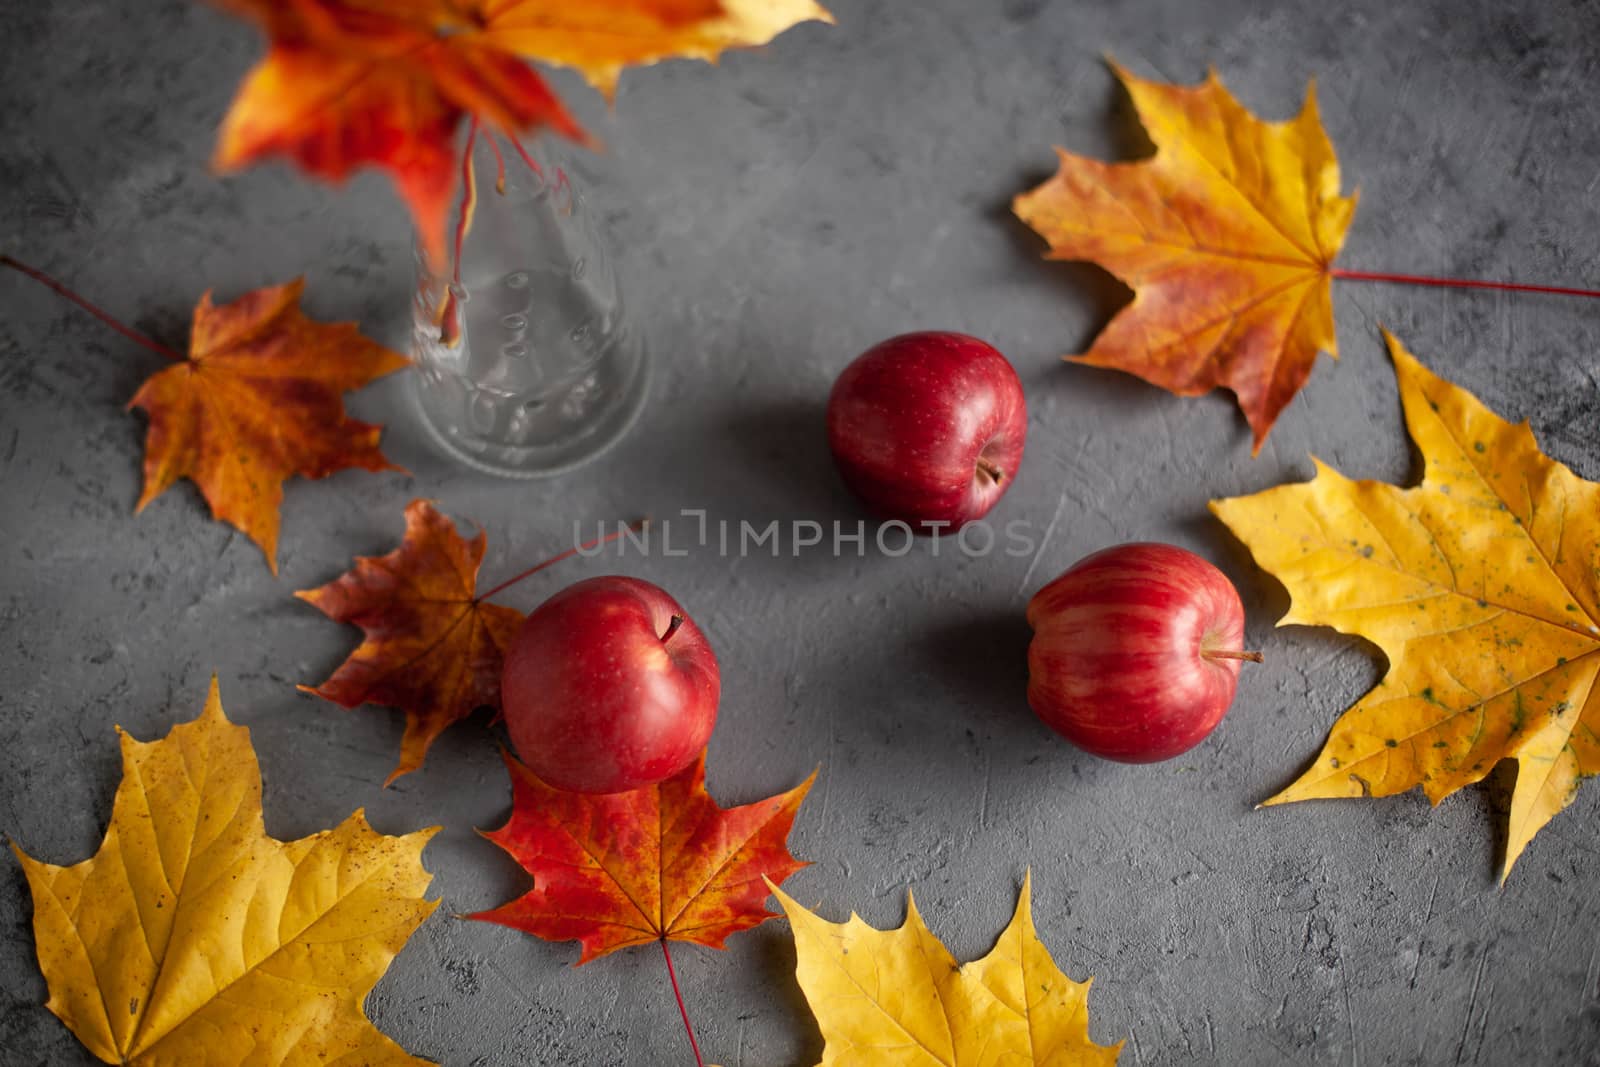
450 307
677 995
633 527
469 196
499 165
532 163
1454 283
127 331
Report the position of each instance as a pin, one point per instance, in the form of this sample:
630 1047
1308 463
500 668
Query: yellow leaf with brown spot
260 399
191 937
1226 236
600 38
899 996
1480 587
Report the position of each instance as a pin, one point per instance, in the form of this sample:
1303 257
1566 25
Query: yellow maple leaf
600 39
898 996
193 937
1226 235
1479 585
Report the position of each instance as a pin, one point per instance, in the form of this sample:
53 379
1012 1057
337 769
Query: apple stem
127 331
673 975
1231 653
635 526
672 628
995 473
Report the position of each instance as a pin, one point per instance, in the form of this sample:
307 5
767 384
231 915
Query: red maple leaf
352 83
433 647
660 863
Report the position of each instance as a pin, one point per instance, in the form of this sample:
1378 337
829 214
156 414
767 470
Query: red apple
1136 652
928 428
608 686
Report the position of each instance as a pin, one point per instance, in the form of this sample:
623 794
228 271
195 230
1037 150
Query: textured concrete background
774 217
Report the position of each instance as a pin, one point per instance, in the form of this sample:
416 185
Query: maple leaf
259 399
1480 587
1226 235
193 937
658 863
352 83
599 39
899 996
433 648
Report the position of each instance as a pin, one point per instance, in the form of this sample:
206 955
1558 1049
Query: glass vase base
440 403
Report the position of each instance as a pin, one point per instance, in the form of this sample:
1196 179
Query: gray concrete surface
774 217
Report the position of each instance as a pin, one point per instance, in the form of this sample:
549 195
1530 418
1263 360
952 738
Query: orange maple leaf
600 38
433 647
257 400
350 83
660 863
1226 235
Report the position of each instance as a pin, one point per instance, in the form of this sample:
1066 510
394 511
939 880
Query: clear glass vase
526 363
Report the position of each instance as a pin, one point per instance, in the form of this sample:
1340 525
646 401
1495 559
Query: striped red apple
1136 652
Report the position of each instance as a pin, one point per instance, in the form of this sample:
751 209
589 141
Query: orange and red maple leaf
432 648
347 84
601 38
386 83
258 399
1226 236
660 863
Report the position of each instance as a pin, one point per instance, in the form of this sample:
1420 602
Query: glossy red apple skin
1119 661
920 425
596 701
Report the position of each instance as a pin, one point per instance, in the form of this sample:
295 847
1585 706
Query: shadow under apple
983 663
785 445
